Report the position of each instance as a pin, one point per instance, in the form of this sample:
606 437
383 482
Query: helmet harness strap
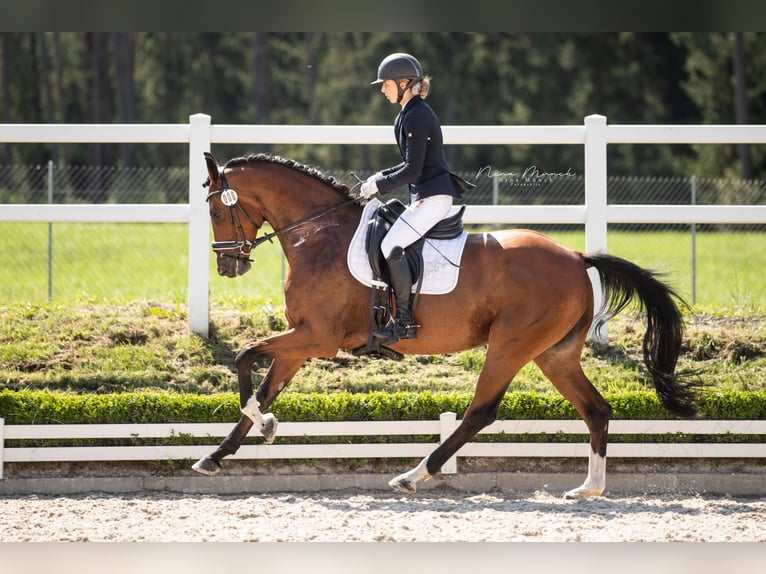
401 90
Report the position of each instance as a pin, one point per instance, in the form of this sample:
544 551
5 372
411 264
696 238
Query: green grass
120 262
127 262
143 345
730 266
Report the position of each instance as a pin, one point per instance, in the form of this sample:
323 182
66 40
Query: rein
230 199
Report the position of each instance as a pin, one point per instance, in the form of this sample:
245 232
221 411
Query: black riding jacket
419 136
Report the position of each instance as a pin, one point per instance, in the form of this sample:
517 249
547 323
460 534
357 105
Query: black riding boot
404 326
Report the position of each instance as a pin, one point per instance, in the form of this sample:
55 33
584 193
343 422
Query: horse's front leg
279 374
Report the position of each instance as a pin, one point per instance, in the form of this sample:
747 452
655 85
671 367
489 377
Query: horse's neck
296 208
287 197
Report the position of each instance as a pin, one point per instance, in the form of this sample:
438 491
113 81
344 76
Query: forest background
323 78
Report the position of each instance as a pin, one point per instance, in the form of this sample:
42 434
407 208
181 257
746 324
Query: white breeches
416 221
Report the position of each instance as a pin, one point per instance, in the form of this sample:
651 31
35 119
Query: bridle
230 199
241 244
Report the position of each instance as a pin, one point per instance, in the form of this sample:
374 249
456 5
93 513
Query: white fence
594 135
443 428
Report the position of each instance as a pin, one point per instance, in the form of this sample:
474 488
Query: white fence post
447 424
2 445
595 204
199 234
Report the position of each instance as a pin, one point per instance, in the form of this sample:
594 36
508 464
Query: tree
123 45
261 79
5 45
507 78
710 83
740 100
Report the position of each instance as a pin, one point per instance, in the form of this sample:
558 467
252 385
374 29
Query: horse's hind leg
493 382
561 364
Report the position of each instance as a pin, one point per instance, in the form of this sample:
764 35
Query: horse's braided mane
328 180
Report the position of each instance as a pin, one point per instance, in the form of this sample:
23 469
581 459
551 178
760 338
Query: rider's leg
414 223
404 326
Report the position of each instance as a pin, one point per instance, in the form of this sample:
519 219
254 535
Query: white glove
369 187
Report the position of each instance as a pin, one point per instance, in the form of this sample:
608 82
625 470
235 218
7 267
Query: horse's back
526 266
523 247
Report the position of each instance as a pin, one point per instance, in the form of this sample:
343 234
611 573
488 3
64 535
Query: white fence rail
443 428
594 136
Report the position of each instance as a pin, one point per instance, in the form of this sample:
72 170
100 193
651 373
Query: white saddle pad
439 275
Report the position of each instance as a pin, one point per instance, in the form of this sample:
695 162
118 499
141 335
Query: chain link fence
713 265
709 264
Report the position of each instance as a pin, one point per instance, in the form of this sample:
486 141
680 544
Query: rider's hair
422 88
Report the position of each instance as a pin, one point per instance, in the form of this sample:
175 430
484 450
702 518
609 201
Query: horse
524 296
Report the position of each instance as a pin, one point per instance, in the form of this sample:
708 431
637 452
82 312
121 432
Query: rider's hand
369 187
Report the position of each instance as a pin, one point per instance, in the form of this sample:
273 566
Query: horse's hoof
207 466
583 492
402 484
269 428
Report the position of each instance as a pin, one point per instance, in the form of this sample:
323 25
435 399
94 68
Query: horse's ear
212 166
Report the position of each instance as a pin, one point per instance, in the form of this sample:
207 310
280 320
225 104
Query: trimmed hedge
43 407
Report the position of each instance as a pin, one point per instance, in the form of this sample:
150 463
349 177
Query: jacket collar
410 103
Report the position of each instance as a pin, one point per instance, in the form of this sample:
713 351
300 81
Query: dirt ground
376 517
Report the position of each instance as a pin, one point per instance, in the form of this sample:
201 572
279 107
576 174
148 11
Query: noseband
240 243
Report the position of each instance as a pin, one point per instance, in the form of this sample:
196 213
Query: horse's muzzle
232 266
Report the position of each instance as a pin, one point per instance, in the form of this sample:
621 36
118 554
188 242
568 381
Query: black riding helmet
399 66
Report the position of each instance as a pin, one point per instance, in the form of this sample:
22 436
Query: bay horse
521 294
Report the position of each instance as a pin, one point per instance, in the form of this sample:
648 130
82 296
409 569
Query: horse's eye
217 215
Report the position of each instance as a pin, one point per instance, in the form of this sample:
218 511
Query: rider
432 187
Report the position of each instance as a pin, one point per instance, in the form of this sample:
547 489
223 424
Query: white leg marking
595 482
266 424
407 482
253 412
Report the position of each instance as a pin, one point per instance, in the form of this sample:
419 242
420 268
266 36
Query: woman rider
424 168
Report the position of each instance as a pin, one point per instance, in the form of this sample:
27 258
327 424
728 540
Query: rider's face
390 91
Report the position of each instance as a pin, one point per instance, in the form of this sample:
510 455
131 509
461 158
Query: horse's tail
623 282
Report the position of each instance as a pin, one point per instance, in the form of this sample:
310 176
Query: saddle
382 296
